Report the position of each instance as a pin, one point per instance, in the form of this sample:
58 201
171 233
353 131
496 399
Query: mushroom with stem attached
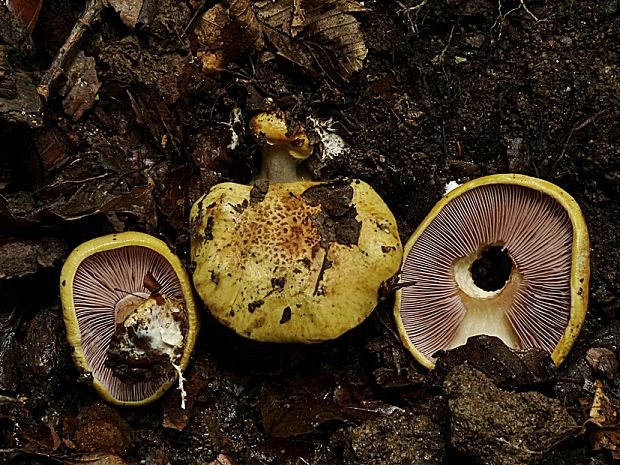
130 316
504 255
287 260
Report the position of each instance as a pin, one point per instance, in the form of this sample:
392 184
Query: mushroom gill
111 315
504 255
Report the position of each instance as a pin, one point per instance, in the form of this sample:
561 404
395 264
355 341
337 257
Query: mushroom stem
283 148
278 165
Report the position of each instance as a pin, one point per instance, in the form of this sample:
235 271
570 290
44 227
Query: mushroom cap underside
96 279
543 301
293 262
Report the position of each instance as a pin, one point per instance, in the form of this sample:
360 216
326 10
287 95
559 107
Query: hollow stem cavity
487 282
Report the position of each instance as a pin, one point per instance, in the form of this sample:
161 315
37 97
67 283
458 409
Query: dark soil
450 90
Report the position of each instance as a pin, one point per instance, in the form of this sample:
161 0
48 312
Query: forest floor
135 130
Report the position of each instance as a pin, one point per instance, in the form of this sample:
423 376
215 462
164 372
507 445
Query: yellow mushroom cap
532 229
273 128
99 280
294 262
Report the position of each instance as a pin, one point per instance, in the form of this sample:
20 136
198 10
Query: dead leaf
82 86
92 459
606 440
79 198
51 148
603 424
357 405
98 429
603 361
299 406
602 412
322 37
162 121
16 208
151 283
26 10
96 198
128 10
56 441
74 459
134 12
299 18
225 32
402 379
221 459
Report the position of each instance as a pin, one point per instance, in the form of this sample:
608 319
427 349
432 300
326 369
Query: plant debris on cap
504 255
296 262
130 316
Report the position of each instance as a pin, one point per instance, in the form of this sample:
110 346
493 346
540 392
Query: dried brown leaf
26 10
150 282
299 18
322 37
128 10
16 209
603 424
603 361
225 32
79 198
299 406
81 87
606 441
602 412
92 459
222 459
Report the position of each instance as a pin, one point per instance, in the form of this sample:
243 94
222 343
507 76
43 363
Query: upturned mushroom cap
530 239
292 262
103 290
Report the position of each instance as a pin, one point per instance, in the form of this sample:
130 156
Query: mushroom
504 255
130 316
282 150
287 260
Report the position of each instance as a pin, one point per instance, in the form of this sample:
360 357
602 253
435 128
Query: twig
8 399
439 58
91 14
193 18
